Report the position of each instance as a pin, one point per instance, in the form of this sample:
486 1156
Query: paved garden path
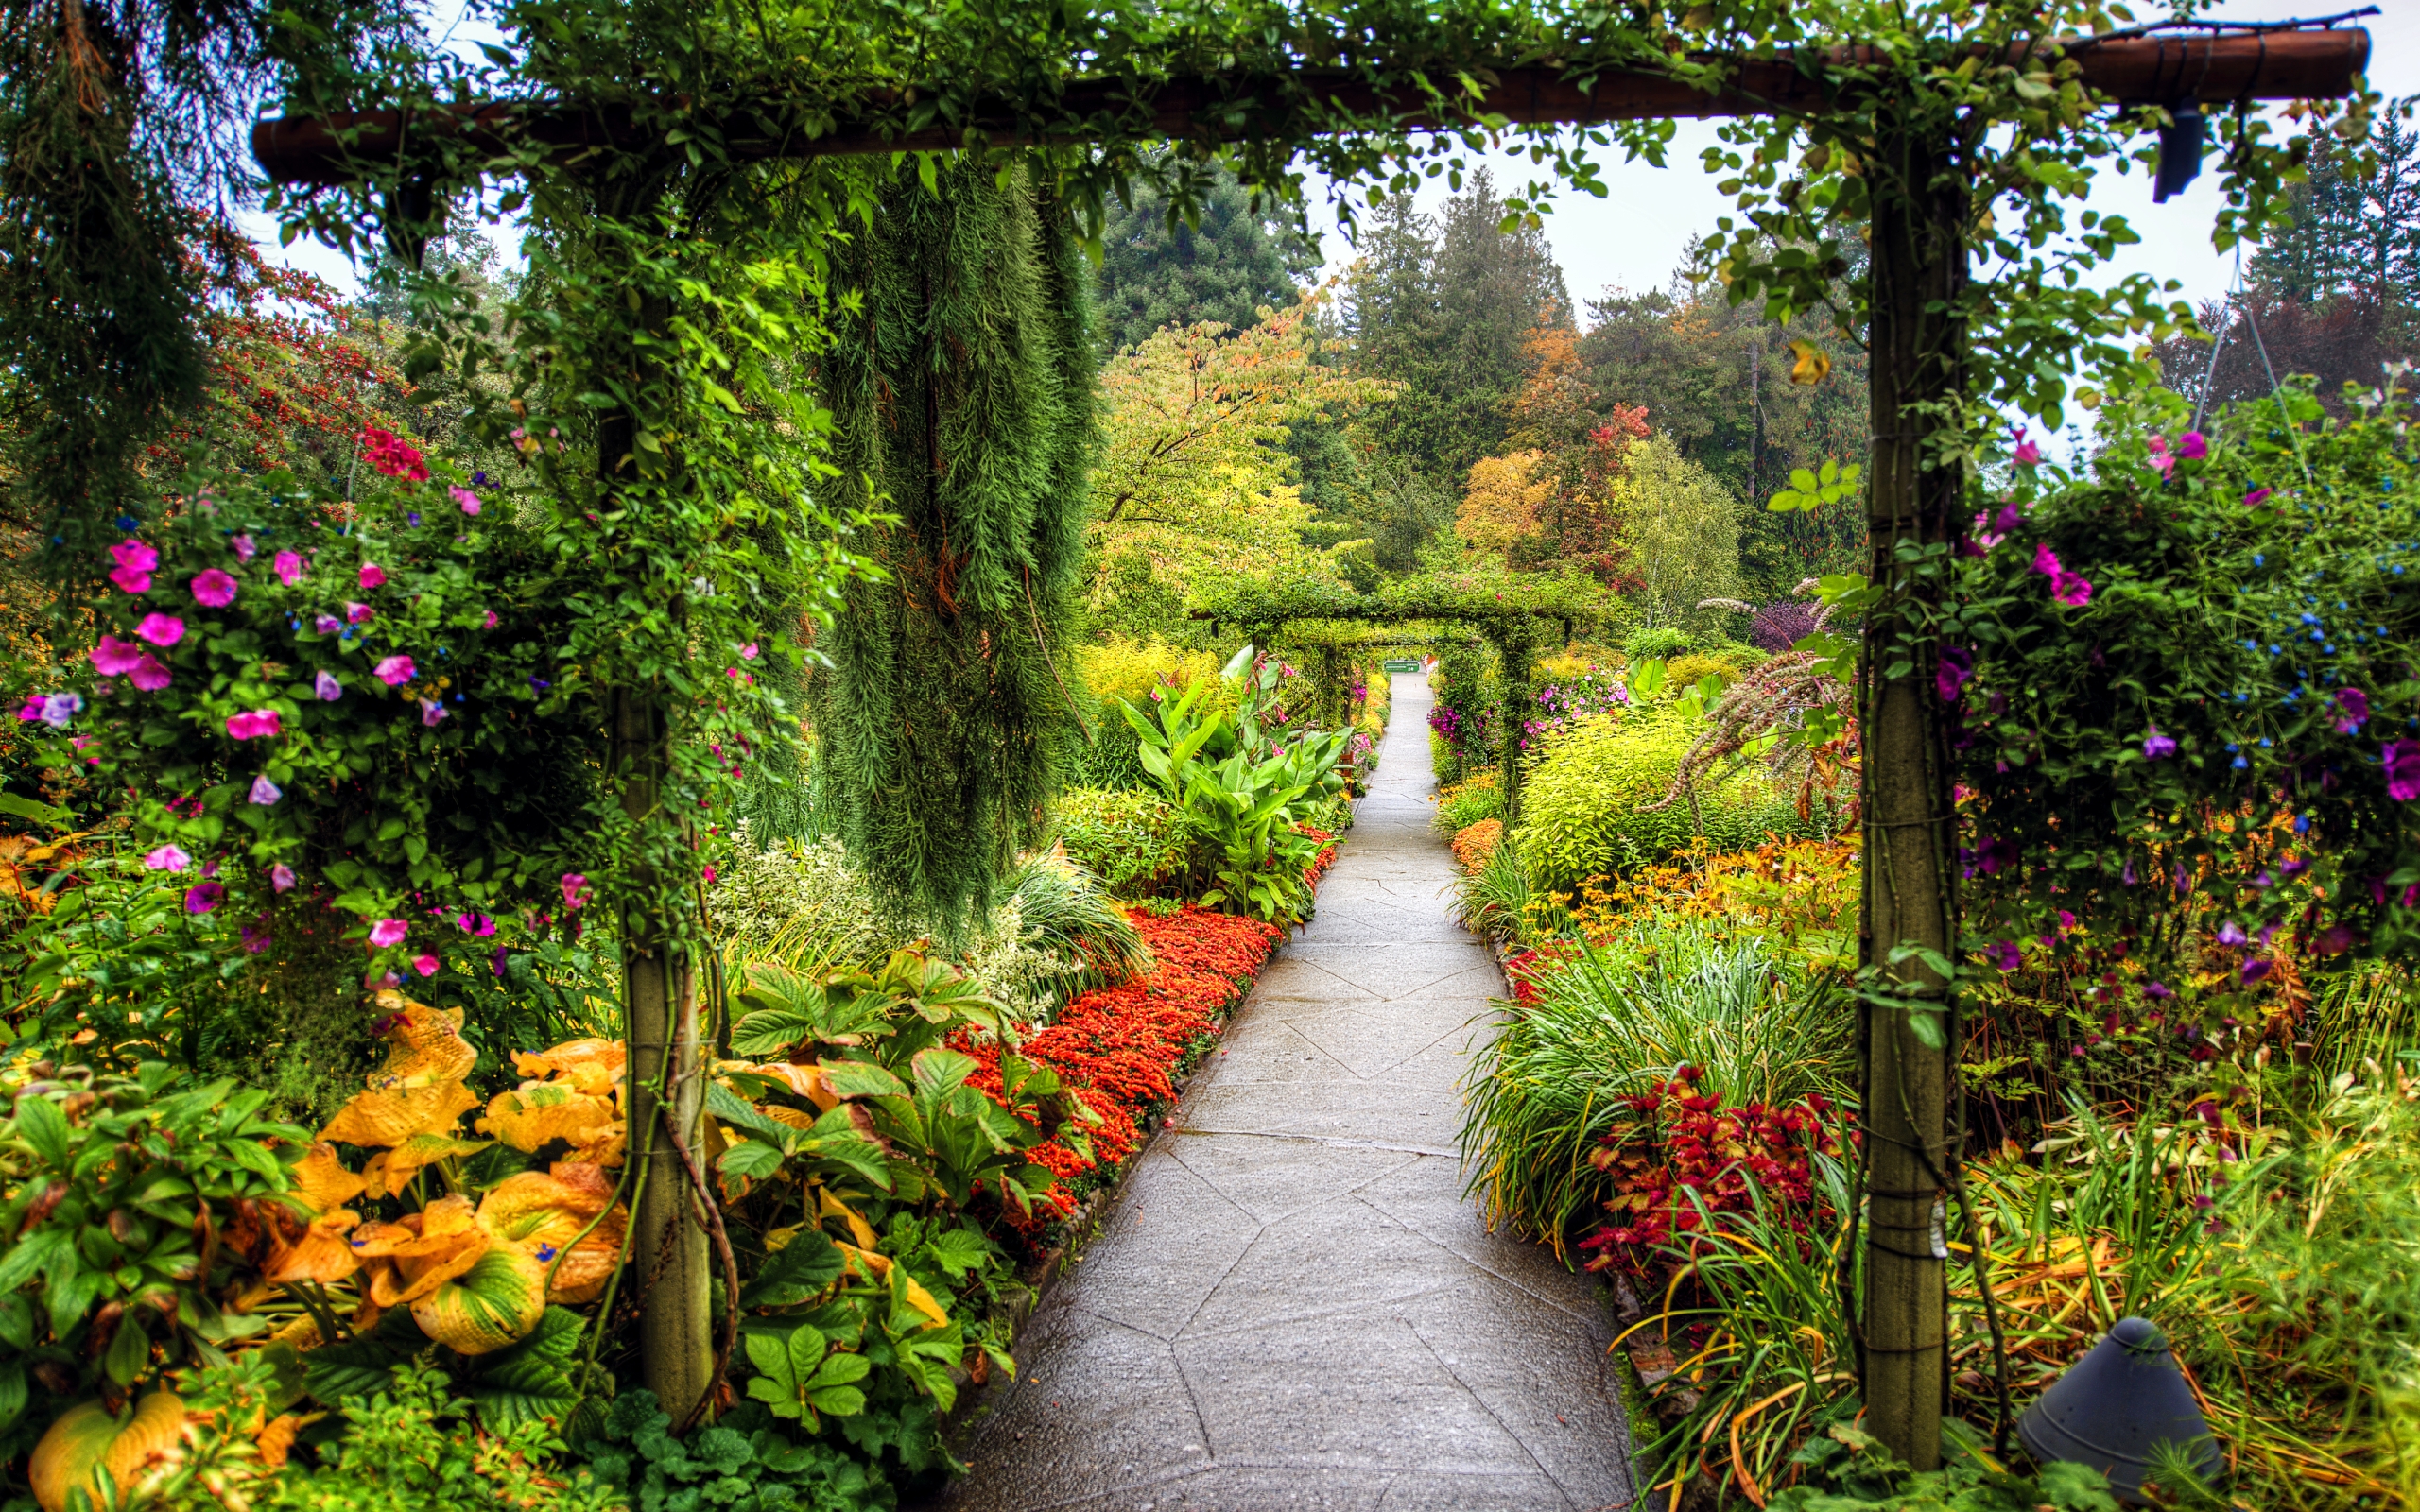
1293 1306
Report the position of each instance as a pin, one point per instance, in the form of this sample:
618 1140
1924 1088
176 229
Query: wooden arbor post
1918 345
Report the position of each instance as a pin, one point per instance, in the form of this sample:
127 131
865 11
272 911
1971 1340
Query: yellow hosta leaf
410 1258
494 1303
321 1181
391 1170
88 1438
593 1066
543 1111
424 1044
806 1081
320 1255
828 1205
392 1115
538 1213
879 1270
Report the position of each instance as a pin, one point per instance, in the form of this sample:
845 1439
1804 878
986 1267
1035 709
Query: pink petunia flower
213 587
161 629
389 931
2401 759
395 671
150 674
576 889
327 687
489 622
2028 453
167 858
2356 707
2160 458
136 562
204 896
264 792
2192 446
253 724
2256 496
431 712
424 965
475 924
372 576
280 877
115 658
245 549
2045 559
357 614
2071 589
289 567
31 709
469 501
747 652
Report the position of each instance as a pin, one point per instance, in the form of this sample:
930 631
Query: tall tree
1224 267
1445 306
2356 223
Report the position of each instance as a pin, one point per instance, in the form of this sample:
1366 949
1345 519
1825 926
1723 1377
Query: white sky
1632 239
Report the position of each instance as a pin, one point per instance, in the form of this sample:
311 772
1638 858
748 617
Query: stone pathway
1293 1306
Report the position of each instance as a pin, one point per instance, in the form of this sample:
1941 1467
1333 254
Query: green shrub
1660 642
1585 805
1134 842
1683 671
1467 803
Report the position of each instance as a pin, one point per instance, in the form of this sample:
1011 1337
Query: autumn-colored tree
1550 502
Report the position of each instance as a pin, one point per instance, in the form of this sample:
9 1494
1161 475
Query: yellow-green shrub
1130 669
1134 842
1583 804
1683 671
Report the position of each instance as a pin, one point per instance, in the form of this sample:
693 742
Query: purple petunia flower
2005 955
2401 759
2157 746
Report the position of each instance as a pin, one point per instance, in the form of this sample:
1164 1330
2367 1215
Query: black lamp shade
2119 1402
2180 150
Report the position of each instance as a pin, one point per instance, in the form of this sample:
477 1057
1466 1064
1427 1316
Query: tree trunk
1919 267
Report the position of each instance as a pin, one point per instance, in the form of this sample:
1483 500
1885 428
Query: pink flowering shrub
304 699
2204 725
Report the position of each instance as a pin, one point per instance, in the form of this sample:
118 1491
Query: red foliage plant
1687 1157
1118 1046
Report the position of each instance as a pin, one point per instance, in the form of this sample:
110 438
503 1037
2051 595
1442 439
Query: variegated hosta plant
477 1270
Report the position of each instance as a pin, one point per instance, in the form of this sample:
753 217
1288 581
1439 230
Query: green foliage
1683 529
802 1376
404 1443
1247 785
1613 1020
1848 1471
1223 263
1593 804
2266 641
742 1464
1465 804
116 1186
959 394
1063 911
1137 843
1656 643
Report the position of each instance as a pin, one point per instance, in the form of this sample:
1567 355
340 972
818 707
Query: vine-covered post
1908 933
659 984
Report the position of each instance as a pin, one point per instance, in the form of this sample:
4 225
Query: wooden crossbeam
2205 67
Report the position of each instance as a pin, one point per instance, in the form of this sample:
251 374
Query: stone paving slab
1292 1306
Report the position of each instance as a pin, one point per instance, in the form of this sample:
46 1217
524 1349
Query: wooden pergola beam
2205 67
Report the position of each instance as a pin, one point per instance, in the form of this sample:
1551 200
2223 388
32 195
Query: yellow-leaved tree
1682 527
1194 479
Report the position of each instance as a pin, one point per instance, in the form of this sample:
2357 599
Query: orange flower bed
1119 1047
1475 843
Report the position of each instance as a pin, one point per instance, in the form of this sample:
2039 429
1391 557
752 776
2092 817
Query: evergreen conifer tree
960 391
1222 269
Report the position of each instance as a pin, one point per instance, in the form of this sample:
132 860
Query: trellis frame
1920 259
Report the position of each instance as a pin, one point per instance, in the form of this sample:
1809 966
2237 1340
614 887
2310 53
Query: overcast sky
1632 239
